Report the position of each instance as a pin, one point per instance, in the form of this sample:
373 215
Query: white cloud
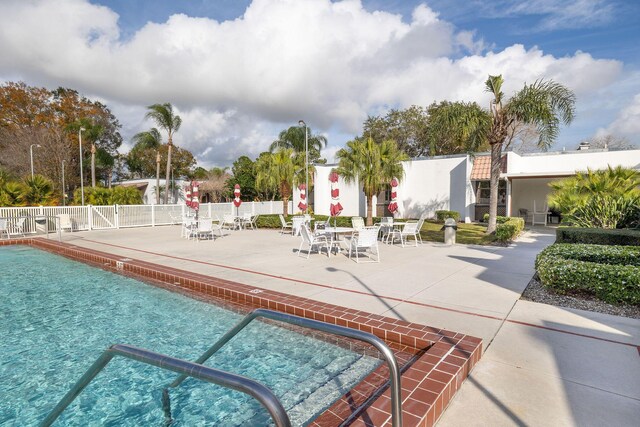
628 121
237 83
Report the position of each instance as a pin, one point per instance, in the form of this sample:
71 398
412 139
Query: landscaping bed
536 292
610 273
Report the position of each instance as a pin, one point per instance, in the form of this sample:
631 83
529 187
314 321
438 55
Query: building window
483 192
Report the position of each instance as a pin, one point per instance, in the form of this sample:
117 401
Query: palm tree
372 165
148 139
280 170
151 139
542 104
294 138
163 116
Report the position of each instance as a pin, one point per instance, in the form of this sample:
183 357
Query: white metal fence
121 216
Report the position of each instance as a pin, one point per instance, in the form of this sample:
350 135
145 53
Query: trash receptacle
450 227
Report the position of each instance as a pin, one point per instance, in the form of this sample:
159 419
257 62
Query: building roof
481 170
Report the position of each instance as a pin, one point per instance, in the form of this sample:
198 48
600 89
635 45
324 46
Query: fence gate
102 217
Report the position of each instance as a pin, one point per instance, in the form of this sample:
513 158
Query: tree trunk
166 182
158 178
285 207
369 209
93 165
496 155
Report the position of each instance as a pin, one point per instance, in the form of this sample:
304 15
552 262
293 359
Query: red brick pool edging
442 359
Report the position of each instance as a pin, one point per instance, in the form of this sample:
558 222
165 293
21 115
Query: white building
147 188
461 183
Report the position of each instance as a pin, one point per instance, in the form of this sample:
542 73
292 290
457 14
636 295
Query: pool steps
230 380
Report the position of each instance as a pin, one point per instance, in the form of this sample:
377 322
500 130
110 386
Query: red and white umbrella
236 193
393 206
335 207
191 195
303 197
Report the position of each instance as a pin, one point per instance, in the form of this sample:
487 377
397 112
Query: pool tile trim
442 358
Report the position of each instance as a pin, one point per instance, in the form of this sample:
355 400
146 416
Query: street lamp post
64 194
31 154
81 178
306 162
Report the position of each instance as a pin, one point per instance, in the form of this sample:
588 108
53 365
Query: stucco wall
351 198
428 185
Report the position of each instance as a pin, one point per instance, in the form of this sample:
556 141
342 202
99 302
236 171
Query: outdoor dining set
198 228
353 240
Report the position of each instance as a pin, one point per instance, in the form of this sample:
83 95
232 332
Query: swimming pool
59 315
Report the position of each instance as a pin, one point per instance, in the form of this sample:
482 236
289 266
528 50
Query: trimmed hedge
442 215
499 219
610 273
509 229
598 236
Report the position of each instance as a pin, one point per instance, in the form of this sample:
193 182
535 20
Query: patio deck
542 365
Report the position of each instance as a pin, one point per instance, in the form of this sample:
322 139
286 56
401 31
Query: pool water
57 316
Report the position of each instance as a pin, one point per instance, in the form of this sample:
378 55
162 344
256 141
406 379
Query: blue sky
240 71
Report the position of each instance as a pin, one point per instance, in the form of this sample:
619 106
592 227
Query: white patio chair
16 228
245 221
189 226
229 222
357 223
285 225
296 225
539 217
365 239
205 229
313 240
386 226
65 222
409 228
4 228
254 222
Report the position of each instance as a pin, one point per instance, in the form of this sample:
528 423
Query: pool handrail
225 379
394 371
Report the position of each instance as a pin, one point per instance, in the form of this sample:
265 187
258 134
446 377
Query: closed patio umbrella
236 199
393 206
303 197
336 208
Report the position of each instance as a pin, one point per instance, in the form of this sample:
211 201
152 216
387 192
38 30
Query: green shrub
509 229
598 236
499 219
607 198
613 255
442 215
567 269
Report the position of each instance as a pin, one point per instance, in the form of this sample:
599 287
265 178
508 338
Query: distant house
461 183
147 188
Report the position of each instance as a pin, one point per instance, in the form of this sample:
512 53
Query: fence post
90 217
117 216
153 215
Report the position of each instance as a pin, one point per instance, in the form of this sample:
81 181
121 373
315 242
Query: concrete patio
542 365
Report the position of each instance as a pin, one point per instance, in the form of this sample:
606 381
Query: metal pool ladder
226 379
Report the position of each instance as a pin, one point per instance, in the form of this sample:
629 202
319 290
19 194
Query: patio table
335 233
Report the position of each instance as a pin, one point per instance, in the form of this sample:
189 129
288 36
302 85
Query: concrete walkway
542 365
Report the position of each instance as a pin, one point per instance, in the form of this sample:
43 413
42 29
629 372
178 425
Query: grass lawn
470 234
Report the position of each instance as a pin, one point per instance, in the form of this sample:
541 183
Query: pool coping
443 358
